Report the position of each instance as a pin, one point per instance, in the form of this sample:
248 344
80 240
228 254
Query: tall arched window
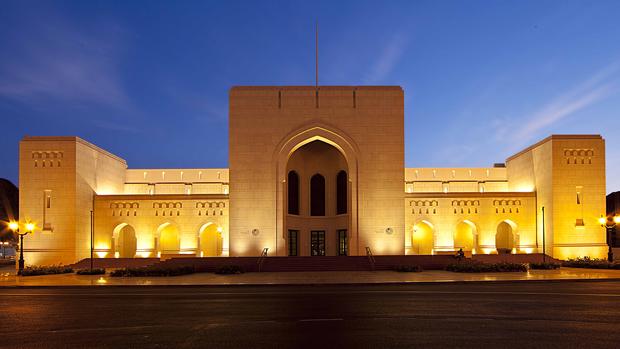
293 193
341 192
317 195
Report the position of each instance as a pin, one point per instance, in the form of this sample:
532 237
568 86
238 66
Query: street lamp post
14 226
609 224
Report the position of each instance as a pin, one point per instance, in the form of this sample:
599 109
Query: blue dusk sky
149 80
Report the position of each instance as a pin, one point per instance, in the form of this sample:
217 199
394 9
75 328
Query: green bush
94 271
592 263
408 268
46 270
479 267
153 271
545 265
229 269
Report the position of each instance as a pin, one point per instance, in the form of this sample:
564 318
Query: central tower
316 171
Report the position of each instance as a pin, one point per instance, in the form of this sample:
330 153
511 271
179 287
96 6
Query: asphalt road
516 315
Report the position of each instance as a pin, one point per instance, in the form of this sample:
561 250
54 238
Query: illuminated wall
150 215
568 174
267 124
238 212
58 178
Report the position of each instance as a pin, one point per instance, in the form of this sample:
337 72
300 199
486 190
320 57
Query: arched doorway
125 241
289 145
169 241
210 240
465 237
504 238
422 238
322 223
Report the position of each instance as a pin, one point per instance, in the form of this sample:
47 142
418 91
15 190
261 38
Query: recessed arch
313 131
506 236
293 192
342 197
125 241
317 195
422 239
169 241
210 240
465 236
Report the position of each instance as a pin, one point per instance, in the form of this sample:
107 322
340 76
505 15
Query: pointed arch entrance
169 239
422 239
210 240
505 237
465 235
342 228
125 241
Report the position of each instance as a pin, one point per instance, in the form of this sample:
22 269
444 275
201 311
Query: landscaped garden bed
229 269
46 270
479 267
592 263
545 265
153 271
94 271
408 268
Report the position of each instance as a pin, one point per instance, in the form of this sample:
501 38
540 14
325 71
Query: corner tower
316 171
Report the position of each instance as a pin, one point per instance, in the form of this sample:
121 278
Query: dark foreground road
516 315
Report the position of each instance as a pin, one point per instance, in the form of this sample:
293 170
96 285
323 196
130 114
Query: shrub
229 269
587 262
46 270
544 265
408 268
153 271
94 271
479 267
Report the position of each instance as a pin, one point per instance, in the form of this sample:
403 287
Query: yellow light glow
13 226
219 229
102 280
29 226
101 254
117 254
602 220
145 254
616 219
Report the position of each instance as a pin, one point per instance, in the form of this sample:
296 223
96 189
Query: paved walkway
8 279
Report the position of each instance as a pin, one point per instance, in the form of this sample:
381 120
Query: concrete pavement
8 278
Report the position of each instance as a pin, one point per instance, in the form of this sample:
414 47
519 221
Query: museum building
312 172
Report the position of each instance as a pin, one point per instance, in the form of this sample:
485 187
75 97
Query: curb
314 284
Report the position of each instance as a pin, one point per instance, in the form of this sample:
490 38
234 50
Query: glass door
342 243
317 243
293 236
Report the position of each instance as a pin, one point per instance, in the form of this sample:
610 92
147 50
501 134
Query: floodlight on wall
389 230
255 232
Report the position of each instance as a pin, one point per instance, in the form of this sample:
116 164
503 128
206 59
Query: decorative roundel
389 230
255 232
